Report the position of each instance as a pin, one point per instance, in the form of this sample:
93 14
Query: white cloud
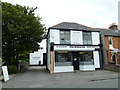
94 13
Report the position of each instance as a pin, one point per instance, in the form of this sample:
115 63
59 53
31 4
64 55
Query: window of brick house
110 40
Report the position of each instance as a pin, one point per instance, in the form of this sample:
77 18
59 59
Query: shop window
87 38
86 58
64 37
63 58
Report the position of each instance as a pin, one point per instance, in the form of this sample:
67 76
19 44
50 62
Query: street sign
5 73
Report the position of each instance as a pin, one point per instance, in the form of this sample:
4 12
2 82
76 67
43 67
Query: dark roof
73 26
109 32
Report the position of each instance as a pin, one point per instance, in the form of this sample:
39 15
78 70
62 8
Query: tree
21 31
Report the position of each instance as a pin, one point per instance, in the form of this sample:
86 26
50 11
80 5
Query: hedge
12 69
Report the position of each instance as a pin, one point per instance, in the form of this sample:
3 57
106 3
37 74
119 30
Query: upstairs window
64 37
87 38
110 40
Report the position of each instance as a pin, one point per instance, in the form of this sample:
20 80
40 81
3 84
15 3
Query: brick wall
107 49
116 42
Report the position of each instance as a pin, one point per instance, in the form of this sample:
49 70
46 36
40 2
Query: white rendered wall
34 58
96 59
76 37
41 51
54 36
63 69
87 67
30 58
48 52
43 45
95 38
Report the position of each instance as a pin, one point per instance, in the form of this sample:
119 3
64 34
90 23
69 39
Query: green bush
24 60
12 69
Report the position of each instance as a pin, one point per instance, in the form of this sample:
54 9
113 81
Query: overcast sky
94 13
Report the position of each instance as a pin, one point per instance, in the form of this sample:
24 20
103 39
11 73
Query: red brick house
113 49
111 45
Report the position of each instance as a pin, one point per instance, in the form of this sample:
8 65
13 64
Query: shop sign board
5 73
72 46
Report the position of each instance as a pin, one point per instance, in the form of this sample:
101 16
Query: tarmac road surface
39 77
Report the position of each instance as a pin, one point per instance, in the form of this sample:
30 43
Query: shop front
70 59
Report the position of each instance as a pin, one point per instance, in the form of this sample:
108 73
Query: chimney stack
113 26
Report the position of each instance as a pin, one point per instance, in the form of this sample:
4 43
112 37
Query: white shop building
72 46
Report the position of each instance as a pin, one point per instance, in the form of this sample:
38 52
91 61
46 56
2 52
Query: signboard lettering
65 46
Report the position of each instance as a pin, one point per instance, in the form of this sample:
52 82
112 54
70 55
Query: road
38 77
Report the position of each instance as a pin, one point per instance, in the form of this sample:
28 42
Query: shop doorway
75 61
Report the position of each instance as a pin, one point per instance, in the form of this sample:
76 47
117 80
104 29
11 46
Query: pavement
10 76
39 77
